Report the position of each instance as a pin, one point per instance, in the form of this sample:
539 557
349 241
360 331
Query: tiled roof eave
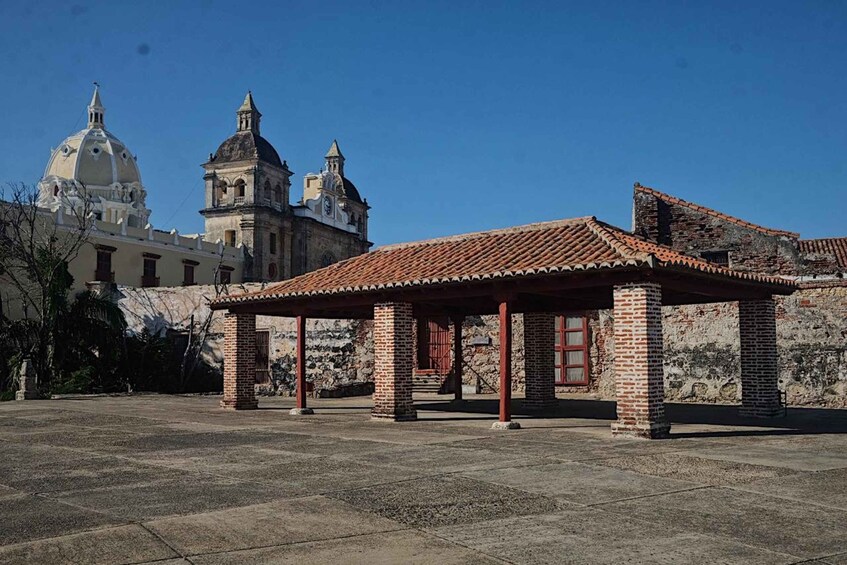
264 296
723 273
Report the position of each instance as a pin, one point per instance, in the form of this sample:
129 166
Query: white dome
94 166
93 157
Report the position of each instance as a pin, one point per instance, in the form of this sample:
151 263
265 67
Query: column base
510 425
26 395
653 430
761 411
394 417
301 411
240 404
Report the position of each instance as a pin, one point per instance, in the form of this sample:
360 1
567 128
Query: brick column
639 375
539 360
393 355
239 361
759 386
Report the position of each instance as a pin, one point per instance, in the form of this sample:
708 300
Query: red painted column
300 390
457 356
505 422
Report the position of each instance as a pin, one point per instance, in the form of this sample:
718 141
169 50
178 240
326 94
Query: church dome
93 157
96 160
246 145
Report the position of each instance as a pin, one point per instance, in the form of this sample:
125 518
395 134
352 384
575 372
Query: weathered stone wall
702 350
339 353
702 360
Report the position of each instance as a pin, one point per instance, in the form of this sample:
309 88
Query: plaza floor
174 479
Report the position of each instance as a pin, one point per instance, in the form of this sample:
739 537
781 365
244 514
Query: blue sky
454 116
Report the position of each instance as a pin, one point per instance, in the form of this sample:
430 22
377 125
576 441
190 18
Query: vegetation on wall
77 342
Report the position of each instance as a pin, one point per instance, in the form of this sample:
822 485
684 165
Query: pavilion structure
537 270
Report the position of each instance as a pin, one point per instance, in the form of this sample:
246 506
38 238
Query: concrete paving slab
165 442
408 547
9 491
594 537
761 521
28 517
828 488
684 467
112 546
579 483
107 453
87 473
443 458
835 559
436 501
778 455
327 474
186 495
281 522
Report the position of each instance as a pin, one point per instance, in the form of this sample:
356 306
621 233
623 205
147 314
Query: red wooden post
505 361
301 369
457 356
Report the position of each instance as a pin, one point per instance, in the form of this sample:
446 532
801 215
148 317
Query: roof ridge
839 238
473 235
712 212
603 231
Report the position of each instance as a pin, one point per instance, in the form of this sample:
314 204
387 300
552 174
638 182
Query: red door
434 347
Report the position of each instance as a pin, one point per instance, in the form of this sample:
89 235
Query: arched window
278 196
56 190
220 192
240 190
267 194
272 271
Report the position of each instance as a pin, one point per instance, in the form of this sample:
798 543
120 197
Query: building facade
247 203
252 231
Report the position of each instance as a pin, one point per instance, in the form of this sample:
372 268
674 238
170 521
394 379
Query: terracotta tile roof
552 247
835 247
714 213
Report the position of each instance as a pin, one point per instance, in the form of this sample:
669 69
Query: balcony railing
104 276
147 281
238 200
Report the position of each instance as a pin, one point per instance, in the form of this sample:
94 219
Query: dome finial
248 115
334 159
96 109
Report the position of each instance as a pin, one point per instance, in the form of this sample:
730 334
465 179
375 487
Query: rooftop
529 251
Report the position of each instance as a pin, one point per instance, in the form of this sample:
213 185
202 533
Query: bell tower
247 195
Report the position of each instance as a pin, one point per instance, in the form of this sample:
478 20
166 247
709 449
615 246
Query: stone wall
702 350
339 353
702 361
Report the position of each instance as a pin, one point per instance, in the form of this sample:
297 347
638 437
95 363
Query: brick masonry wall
693 232
757 328
239 361
539 379
393 351
639 381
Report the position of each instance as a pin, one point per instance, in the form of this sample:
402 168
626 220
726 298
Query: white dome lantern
96 164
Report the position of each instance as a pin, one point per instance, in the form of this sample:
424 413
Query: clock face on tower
327 206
